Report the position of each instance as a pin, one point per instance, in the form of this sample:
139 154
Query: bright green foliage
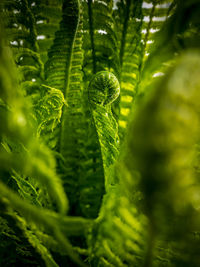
118 218
162 145
168 143
99 133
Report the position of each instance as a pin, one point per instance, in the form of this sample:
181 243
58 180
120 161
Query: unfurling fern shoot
103 90
49 110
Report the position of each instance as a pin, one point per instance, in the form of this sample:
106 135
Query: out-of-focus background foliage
88 176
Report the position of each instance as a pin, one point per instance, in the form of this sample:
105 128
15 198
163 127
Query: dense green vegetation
100 133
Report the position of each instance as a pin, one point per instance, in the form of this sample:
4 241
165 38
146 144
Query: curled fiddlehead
103 90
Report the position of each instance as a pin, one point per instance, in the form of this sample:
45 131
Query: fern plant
99 133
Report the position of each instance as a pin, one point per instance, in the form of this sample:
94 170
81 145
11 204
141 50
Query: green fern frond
170 170
16 249
58 64
178 33
99 39
136 24
26 189
52 222
19 128
119 236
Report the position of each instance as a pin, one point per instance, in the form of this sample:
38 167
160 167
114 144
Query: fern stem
141 65
92 34
149 27
125 28
33 31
